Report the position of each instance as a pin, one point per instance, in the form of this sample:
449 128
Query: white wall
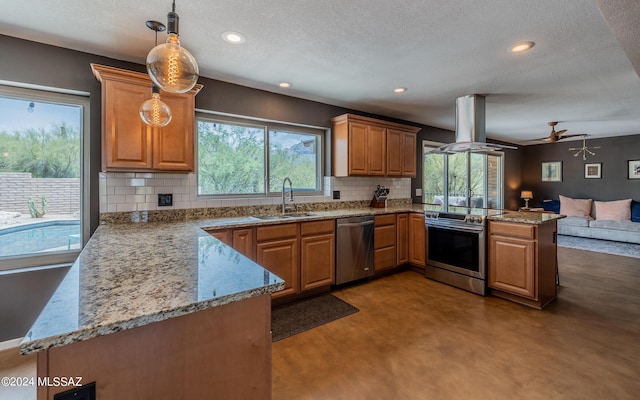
134 191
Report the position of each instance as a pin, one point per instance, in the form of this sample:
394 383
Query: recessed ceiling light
522 46
233 37
284 85
400 90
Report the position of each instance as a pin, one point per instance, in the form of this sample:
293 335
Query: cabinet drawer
381 220
276 232
317 227
384 258
512 229
384 236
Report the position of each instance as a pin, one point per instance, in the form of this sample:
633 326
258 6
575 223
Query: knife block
377 203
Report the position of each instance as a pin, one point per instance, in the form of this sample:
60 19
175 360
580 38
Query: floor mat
601 246
290 319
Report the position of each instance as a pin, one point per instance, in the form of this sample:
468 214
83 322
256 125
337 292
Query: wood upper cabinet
128 144
522 262
317 254
401 153
402 238
371 147
417 240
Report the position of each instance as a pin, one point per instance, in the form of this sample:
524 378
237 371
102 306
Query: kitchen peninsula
522 257
158 310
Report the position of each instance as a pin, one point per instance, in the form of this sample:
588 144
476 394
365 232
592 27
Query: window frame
500 196
67 97
268 126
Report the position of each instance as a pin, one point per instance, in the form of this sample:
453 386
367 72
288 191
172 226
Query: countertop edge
37 345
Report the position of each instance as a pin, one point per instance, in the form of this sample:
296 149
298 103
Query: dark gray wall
613 154
40 64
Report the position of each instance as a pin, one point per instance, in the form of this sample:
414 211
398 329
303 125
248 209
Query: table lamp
526 195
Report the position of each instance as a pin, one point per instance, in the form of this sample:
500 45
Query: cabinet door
358 149
402 238
173 144
281 258
417 240
243 242
512 265
377 150
409 154
395 145
126 139
317 261
224 236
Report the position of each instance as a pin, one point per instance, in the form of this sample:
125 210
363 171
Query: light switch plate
419 192
165 199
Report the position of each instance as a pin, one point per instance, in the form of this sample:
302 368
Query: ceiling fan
554 136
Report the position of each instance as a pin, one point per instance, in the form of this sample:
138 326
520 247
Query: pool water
39 237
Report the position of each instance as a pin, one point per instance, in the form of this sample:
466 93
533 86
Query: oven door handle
456 228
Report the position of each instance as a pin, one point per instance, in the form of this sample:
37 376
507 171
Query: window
42 217
245 158
462 179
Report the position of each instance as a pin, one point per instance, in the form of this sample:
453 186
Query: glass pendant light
154 111
170 65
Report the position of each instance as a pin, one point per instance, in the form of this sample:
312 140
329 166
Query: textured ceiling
354 52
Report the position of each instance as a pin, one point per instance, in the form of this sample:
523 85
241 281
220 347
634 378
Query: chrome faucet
284 207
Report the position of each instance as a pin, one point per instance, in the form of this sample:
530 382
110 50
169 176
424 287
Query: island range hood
470 128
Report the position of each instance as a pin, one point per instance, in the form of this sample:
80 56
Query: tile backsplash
135 191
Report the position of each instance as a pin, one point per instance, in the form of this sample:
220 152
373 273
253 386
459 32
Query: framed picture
634 169
552 171
593 171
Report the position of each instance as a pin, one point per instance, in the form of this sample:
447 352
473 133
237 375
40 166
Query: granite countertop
132 275
525 217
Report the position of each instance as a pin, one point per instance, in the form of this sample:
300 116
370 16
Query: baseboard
9 344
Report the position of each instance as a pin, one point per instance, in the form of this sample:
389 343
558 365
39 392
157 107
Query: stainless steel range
456 249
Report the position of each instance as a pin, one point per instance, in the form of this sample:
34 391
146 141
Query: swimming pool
39 237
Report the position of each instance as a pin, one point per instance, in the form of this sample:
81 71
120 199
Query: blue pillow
635 211
554 205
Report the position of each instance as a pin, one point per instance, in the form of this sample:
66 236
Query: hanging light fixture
154 111
170 65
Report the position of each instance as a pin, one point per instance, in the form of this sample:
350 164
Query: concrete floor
418 339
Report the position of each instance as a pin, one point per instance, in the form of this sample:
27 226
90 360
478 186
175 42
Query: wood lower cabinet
417 240
128 144
277 249
384 242
522 262
372 147
317 254
402 238
240 239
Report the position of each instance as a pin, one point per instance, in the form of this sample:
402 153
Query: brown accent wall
613 154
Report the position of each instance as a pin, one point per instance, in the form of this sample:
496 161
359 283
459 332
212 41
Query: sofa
610 220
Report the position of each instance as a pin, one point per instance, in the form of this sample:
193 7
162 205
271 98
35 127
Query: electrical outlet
336 195
165 199
419 192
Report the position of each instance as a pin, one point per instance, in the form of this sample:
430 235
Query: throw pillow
635 211
551 205
575 207
619 210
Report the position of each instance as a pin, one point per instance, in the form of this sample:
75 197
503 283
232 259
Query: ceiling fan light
155 112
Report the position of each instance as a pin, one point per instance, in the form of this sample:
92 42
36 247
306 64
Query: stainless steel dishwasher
354 248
